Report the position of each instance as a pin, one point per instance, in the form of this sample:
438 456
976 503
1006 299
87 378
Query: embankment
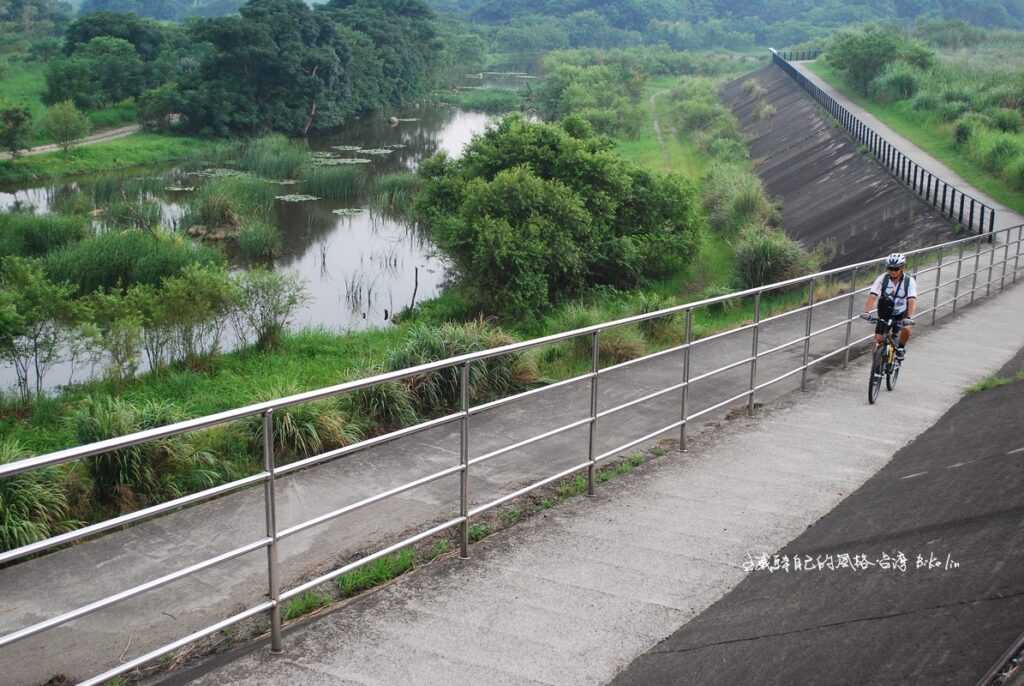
831 193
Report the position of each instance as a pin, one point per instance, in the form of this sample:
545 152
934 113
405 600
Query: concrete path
99 137
572 597
1005 217
67 579
954 497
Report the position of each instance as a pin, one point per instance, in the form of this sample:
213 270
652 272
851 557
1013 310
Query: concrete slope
955 495
574 596
831 194
1005 217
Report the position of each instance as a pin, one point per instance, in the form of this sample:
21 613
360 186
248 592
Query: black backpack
886 303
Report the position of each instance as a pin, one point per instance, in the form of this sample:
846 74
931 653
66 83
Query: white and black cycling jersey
898 291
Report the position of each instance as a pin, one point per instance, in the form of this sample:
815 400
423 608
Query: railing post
991 268
807 339
959 269
753 352
270 507
688 342
938 287
970 217
595 366
1016 259
913 183
960 219
464 460
945 190
849 318
977 263
1006 261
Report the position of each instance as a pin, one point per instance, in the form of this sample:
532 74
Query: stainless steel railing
969 255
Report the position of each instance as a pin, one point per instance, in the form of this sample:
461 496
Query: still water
359 268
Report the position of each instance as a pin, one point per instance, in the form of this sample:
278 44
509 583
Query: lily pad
180 189
296 197
335 161
347 148
377 151
348 211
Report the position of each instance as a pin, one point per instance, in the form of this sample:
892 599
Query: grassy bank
931 133
25 84
124 153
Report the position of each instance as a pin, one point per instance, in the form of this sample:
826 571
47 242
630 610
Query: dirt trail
99 137
657 125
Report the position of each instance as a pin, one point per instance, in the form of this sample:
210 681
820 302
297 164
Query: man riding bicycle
895 295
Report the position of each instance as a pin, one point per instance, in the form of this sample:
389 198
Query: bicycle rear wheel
877 371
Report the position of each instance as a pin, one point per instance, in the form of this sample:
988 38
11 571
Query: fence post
464 459
595 366
959 269
945 190
849 318
992 222
807 340
1006 261
270 506
960 220
977 262
991 267
938 287
913 183
1016 259
970 217
753 352
688 340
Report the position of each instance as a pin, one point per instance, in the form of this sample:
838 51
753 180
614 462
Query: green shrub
952 110
897 81
1008 121
994 150
266 302
734 198
274 157
753 89
387 405
123 258
259 241
1015 172
30 235
967 126
925 102
662 328
33 505
493 100
766 256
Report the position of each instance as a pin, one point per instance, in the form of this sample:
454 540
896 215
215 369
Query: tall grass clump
490 100
119 259
898 81
306 429
133 214
141 474
33 505
343 183
396 192
766 255
30 235
227 201
734 198
439 391
274 157
377 572
259 241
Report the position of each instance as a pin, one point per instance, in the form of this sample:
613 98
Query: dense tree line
164 10
279 65
534 25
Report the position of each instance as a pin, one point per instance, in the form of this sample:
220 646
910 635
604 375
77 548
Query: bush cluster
535 213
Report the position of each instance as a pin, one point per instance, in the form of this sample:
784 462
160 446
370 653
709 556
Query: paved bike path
1005 217
571 597
956 491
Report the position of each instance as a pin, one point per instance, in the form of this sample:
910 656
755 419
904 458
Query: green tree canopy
534 213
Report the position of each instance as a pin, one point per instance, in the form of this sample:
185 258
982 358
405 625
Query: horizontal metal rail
969 266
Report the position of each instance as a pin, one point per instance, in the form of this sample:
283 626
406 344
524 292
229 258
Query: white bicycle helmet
897 259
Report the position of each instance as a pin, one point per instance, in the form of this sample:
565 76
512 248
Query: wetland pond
359 266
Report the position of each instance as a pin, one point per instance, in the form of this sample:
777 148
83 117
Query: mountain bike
883 361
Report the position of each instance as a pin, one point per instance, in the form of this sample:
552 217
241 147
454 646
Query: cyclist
895 295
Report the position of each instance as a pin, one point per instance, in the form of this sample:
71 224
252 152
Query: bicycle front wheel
892 373
877 372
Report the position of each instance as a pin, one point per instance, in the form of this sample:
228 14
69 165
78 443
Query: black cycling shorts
897 324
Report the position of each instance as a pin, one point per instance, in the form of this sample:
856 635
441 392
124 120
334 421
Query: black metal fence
799 55
967 211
